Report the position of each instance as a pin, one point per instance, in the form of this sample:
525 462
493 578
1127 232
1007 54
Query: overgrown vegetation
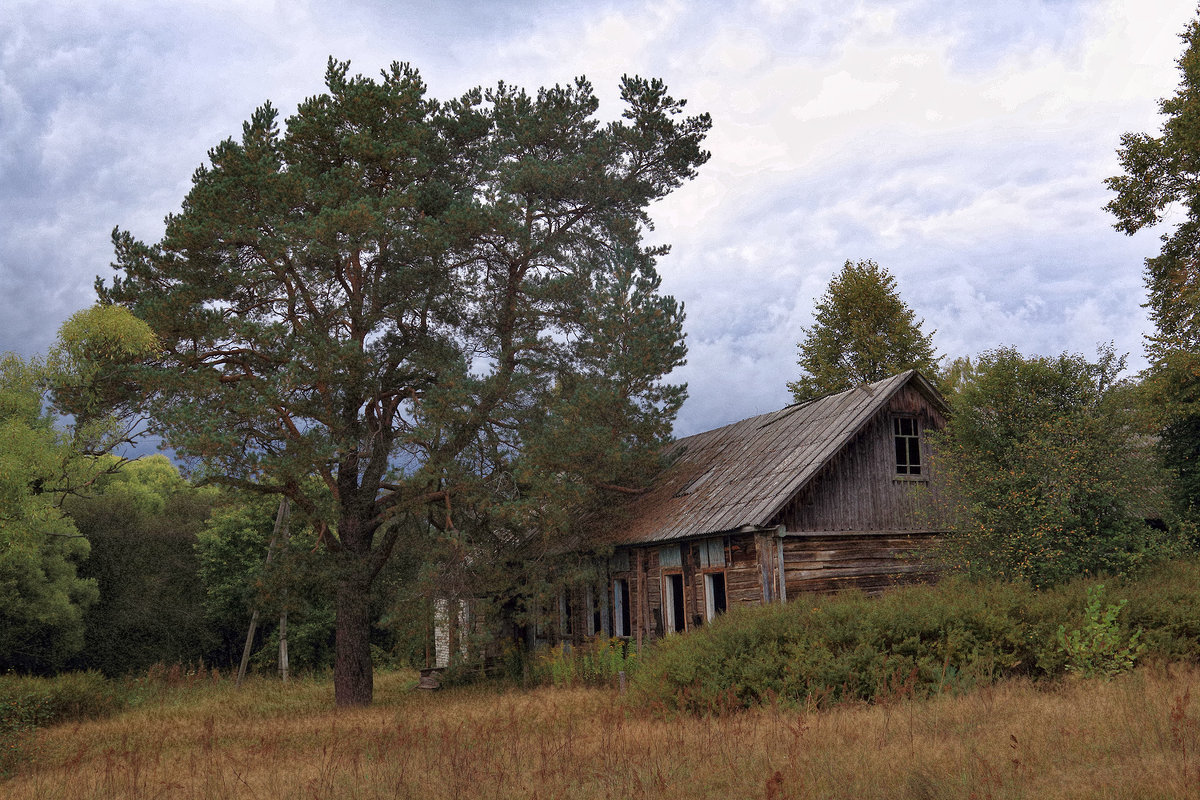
597 662
1137 735
922 640
1046 473
1100 647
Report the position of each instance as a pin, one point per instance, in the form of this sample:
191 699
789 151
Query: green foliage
232 554
920 641
416 302
41 596
596 662
91 357
1164 604
1100 647
142 523
45 460
819 650
1159 178
862 332
1044 473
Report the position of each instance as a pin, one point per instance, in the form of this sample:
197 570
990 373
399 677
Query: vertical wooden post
280 516
282 531
643 597
780 532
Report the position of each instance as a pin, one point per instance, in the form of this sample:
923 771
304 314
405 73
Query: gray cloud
961 146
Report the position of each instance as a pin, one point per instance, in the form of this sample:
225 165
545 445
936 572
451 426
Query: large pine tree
862 332
409 299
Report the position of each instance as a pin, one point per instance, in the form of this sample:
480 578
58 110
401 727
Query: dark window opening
675 613
714 589
597 624
564 612
908 446
621 607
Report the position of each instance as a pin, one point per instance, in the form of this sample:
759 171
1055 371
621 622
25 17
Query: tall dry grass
1137 736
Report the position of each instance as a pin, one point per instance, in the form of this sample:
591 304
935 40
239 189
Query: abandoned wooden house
819 496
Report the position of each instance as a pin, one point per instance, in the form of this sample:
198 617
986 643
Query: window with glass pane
908 446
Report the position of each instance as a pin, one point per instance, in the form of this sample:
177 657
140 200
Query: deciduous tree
45 459
399 295
862 332
141 524
1045 474
1160 176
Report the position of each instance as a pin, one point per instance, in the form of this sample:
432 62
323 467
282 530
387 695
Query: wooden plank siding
858 489
870 562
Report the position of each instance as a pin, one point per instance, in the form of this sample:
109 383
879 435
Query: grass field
1137 736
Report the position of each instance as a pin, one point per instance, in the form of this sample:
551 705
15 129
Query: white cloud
963 146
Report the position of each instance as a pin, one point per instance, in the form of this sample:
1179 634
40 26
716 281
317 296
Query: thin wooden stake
283 647
280 517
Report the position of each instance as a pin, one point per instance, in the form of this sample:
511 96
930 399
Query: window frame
711 611
902 467
671 621
622 613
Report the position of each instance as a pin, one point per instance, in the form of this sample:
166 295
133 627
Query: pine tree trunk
352 678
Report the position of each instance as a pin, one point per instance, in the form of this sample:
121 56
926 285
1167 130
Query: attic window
907 435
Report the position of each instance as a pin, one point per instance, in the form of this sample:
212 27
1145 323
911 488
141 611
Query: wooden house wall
859 489
743 583
743 580
869 562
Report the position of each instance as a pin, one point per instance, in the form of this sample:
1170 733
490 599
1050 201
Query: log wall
870 562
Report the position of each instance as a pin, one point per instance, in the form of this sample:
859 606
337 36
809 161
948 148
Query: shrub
919 641
28 702
1100 647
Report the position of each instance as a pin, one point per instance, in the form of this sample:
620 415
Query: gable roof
744 473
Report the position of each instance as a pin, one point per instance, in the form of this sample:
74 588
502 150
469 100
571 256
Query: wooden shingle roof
744 473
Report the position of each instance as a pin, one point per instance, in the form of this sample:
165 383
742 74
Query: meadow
1136 735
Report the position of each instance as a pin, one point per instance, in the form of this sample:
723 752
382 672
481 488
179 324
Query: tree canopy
1045 473
862 332
417 302
1160 176
45 459
141 524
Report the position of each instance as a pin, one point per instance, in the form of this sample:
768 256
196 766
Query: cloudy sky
962 145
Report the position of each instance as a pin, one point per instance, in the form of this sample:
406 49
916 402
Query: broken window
714 594
907 436
621 625
673 602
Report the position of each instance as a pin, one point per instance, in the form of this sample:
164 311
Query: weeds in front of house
598 661
949 638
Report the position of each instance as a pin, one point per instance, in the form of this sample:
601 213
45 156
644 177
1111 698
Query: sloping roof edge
742 474
897 382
